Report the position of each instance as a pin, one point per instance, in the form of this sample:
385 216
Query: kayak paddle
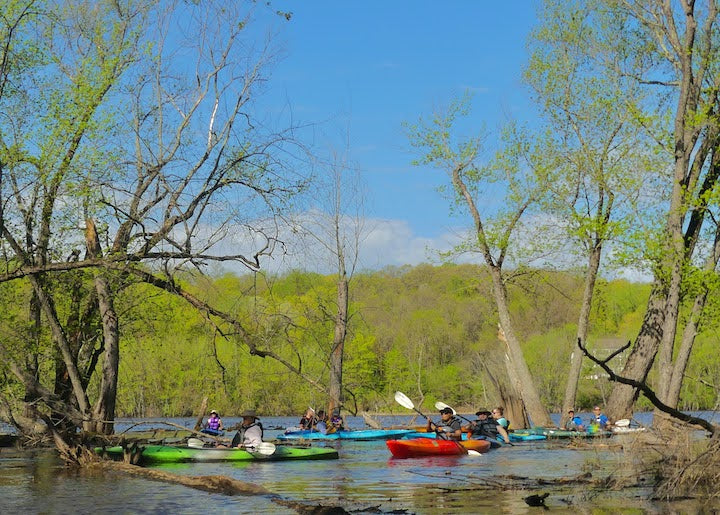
196 443
623 422
404 401
441 405
263 448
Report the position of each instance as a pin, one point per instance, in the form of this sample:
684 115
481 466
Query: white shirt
252 436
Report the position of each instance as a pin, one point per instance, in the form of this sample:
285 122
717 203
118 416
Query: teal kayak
562 433
173 454
358 434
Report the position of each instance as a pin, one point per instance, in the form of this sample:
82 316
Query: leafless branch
646 390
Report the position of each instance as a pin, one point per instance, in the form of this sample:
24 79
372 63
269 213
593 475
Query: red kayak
432 447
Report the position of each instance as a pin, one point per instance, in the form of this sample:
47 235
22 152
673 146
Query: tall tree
674 53
596 150
492 233
133 136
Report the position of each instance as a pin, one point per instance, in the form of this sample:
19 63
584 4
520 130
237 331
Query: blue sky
364 68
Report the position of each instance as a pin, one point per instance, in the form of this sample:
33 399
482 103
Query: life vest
240 435
307 423
488 428
454 421
214 423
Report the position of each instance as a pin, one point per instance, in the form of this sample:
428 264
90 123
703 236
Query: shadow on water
365 477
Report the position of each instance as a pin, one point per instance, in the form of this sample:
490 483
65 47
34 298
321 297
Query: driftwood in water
203 409
216 484
370 421
182 428
312 508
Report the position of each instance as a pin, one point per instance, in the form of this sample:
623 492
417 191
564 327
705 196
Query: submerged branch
215 484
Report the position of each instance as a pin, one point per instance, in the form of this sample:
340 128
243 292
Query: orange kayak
431 447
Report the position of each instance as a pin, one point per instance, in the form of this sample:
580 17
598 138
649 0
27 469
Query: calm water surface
365 475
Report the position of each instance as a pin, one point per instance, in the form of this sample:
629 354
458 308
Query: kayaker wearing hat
486 427
214 425
449 427
251 431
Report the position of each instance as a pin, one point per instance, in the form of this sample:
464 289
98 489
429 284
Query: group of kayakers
250 433
312 421
489 425
598 421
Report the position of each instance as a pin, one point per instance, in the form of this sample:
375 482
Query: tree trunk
509 393
338 348
104 412
536 411
203 410
671 395
582 331
692 61
105 406
622 398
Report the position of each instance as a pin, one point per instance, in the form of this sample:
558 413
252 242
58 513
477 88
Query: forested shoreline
427 330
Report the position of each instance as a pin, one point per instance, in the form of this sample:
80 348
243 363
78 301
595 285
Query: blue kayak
357 434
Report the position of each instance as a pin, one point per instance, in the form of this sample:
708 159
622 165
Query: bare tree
140 143
334 227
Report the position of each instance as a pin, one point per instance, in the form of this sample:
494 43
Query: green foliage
424 330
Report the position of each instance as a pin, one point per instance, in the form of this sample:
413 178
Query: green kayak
173 454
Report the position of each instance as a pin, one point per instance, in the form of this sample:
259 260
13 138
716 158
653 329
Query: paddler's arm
504 433
430 424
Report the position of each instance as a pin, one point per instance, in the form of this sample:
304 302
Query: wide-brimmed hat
213 411
249 413
446 410
483 412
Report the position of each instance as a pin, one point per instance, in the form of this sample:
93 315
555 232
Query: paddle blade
404 401
623 422
265 448
441 405
196 443
473 453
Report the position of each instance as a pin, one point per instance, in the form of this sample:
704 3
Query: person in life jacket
213 425
486 427
598 422
250 434
499 415
308 419
449 427
321 422
337 423
574 423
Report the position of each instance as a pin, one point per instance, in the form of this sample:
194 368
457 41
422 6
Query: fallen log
215 484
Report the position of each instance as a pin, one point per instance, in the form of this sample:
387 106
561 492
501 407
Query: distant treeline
430 331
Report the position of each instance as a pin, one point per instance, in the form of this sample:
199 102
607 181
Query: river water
365 477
